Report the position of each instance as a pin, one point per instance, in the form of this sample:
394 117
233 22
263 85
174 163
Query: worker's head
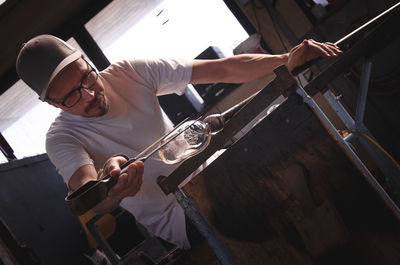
61 77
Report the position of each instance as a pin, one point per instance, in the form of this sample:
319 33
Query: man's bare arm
84 174
248 67
236 69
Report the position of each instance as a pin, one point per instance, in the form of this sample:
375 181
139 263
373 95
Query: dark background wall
32 206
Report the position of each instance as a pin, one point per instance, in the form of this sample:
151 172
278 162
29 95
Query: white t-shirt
133 122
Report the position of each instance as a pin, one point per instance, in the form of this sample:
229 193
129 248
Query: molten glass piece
192 138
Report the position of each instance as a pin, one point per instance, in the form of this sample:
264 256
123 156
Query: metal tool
349 37
94 191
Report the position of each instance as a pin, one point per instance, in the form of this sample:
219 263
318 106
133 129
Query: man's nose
88 93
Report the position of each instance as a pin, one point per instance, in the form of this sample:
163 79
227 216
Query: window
25 120
170 28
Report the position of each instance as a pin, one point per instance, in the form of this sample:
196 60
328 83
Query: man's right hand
129 183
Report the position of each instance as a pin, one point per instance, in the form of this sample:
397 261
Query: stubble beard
102 108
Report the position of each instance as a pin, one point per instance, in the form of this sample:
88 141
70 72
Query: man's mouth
94 103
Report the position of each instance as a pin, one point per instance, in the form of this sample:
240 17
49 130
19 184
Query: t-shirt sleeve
164 76
66 154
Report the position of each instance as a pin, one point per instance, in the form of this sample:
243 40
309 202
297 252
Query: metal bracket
388 168
352 155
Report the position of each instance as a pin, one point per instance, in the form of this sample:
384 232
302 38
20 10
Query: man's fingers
327 49
121 184
320 48
112 168
334 47
136 185
113 165
114 171
140 167
130 182
135 172
131 173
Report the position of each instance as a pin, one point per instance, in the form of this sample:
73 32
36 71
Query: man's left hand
311 49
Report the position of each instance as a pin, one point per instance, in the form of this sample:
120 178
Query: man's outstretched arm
248 67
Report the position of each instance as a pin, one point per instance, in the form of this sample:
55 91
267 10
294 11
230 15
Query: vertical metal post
204 228
342 113
362 94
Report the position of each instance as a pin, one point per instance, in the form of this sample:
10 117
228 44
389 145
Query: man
117 111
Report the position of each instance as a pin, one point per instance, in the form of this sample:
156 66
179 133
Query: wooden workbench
286 193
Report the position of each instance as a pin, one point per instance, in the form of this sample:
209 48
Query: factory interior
304 171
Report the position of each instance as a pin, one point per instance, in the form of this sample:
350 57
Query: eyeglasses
73 97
